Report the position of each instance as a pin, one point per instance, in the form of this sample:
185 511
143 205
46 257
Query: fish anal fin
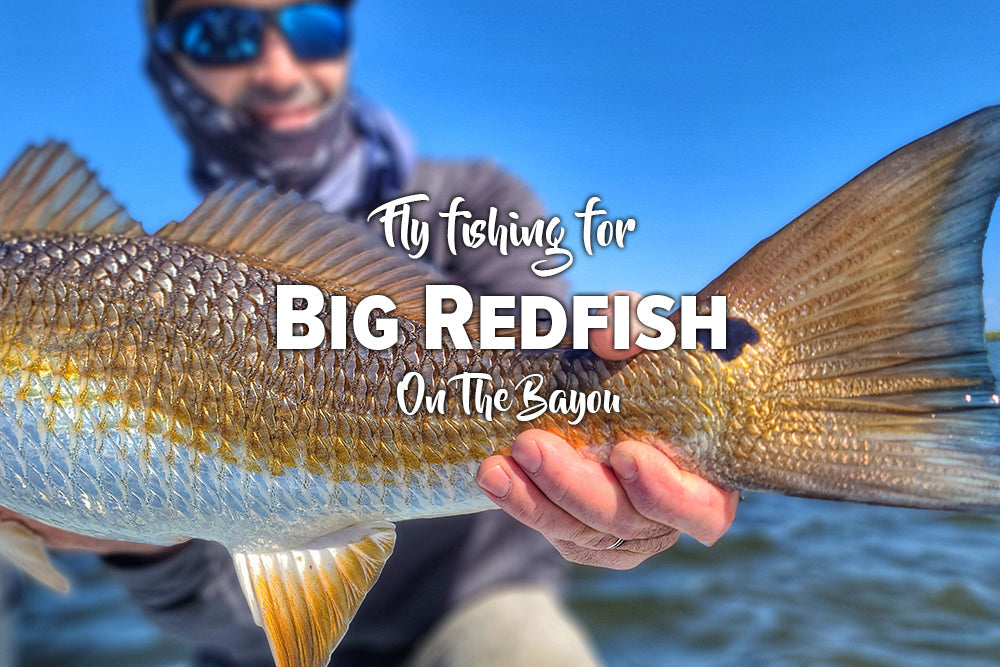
285 232
26 549
50 189
305 598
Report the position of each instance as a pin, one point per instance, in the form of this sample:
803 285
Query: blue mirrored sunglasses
227 35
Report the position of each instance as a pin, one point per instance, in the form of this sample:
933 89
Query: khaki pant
512 626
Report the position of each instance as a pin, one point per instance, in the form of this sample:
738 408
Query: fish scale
143 397
151 358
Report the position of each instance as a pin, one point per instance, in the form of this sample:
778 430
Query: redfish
143 397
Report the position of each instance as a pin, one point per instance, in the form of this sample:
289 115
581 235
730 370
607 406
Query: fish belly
95 468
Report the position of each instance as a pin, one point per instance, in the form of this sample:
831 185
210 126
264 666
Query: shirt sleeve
193 594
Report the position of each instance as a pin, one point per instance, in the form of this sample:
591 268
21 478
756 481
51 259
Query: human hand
584 508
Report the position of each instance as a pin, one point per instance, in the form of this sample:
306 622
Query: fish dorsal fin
26 549
50 189
294 234
305 598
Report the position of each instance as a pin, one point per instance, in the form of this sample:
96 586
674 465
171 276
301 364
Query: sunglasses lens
218 35
229 35
314 30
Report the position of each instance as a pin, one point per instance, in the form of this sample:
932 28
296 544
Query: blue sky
711 123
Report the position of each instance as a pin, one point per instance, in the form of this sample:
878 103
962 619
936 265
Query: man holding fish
259 89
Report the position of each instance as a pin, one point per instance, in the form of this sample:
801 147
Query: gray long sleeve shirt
438 564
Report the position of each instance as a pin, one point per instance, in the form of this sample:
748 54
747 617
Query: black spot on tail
738 333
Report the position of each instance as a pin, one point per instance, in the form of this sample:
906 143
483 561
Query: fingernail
528 455
495 482
624 465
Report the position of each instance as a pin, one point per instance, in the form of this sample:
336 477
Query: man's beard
229 144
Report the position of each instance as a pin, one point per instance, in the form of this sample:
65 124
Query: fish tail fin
873 378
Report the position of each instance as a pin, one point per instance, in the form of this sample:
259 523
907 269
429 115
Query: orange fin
50 189
871 375
26 549
305 598
327 250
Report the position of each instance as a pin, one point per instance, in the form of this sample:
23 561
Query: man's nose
276 67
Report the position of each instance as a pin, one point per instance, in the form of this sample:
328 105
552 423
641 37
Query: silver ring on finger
617 544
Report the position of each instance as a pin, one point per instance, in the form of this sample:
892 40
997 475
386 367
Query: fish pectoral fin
26 549
305 598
